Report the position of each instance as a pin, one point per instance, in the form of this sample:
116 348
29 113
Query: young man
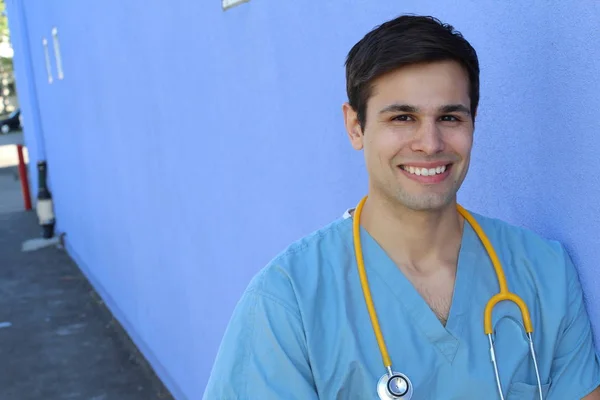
302 330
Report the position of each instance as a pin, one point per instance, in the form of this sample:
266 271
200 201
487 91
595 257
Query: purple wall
187 145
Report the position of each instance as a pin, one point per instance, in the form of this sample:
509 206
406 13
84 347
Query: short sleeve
263 354
575 369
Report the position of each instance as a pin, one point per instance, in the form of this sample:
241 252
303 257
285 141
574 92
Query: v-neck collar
446 339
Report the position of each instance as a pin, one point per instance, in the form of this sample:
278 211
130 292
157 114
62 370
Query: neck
419 241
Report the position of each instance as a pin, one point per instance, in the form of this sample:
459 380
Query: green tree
6 65
3 21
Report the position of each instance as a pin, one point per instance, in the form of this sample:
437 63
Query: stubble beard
421 201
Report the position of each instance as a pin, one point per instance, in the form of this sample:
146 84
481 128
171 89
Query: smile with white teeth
424 171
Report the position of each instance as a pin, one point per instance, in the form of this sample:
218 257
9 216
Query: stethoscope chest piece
396 386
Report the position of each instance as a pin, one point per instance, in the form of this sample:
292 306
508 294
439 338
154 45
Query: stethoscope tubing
503 295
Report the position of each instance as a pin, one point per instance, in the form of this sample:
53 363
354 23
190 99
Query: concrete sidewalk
57 339
11 195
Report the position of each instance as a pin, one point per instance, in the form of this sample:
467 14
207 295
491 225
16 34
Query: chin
425 202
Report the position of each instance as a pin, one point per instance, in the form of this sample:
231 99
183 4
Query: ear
353 128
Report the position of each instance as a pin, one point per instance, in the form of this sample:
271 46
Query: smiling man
404 278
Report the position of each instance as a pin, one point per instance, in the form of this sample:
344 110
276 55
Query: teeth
424 171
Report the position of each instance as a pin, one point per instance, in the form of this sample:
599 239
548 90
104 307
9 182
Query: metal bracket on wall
226 4
47 57
59 68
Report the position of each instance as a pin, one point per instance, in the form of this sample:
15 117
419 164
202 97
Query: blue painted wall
187 145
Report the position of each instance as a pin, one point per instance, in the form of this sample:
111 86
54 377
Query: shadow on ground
11 196
57 339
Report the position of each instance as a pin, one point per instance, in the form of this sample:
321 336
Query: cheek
461 144
386 146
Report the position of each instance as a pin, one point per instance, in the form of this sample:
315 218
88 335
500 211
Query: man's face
418 134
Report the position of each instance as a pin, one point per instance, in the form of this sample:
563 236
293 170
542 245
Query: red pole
24 181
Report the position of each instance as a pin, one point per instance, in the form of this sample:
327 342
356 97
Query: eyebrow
449 108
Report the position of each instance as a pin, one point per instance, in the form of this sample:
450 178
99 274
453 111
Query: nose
428 138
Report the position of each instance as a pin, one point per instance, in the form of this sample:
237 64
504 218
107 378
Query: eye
402 118
449 118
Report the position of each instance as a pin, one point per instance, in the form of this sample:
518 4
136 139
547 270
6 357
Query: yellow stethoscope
395 385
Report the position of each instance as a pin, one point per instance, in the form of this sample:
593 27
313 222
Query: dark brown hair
403 41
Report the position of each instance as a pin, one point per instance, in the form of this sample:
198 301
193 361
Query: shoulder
528 252
519 238
302 264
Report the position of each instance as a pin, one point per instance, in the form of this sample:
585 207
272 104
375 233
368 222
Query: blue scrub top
302 330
